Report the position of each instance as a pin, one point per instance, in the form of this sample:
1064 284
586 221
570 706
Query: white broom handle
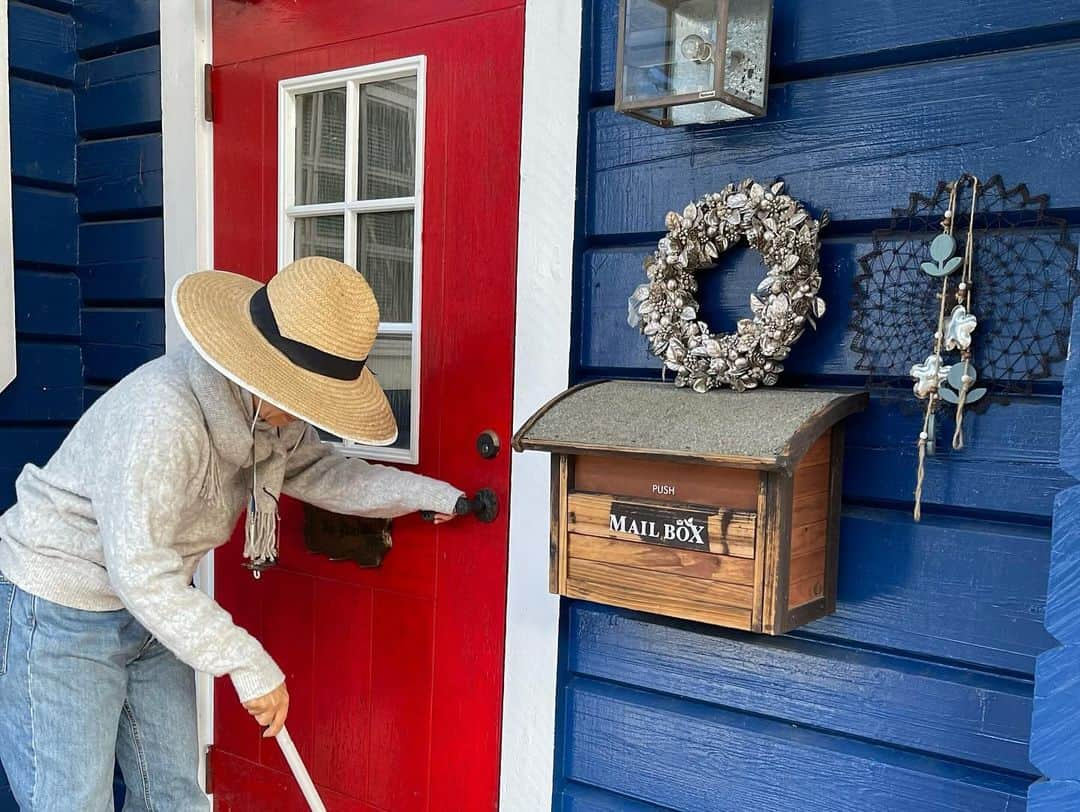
299 771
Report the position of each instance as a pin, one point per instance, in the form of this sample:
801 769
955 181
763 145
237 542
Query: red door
404 162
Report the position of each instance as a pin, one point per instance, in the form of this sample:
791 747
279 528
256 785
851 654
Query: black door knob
484 506
488 444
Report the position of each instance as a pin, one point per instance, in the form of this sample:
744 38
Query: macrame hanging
969 246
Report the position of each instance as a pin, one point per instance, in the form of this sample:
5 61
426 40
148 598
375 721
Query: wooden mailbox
722 508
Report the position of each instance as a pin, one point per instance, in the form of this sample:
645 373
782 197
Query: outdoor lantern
693 61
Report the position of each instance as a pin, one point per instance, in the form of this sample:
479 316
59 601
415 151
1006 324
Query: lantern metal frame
716 94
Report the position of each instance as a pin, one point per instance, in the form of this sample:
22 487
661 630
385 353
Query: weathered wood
777 551
731 532
41 44
659 592
555 542
696 484
120 176
43 132
832 541
806 578
723 568
561 532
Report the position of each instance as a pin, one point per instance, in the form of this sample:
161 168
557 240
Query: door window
351 176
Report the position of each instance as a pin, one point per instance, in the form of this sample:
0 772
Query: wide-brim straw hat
300 342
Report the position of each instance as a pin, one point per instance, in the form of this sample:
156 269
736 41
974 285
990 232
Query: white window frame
7 250
351 79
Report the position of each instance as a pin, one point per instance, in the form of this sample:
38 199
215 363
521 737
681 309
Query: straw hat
299 342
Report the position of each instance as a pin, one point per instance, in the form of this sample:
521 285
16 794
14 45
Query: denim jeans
81 691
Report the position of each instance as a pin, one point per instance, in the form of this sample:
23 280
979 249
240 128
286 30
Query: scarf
240 440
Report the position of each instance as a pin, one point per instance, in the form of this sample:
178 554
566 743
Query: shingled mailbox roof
762 428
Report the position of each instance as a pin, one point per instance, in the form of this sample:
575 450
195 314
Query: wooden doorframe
542 345
187 156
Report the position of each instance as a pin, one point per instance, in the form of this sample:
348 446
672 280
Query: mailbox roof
761 428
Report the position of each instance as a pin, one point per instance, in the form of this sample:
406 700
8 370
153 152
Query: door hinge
208 92
208 770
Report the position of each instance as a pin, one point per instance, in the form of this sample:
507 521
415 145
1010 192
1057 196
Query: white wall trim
188 199
541 369
7 251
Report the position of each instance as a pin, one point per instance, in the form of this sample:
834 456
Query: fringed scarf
239 440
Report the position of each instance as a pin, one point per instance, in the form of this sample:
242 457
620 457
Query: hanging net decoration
1025 279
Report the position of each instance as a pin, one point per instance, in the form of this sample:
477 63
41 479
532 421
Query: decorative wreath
666 312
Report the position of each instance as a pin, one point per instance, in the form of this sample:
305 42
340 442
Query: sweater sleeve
321 476
138 516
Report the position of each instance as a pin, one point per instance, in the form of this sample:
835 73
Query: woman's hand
270 710
443 518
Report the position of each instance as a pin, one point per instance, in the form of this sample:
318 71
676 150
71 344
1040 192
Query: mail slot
722 508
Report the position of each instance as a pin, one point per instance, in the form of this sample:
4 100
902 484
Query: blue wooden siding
918 693
86 166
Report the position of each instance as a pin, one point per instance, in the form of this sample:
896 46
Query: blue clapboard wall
918 693
86 165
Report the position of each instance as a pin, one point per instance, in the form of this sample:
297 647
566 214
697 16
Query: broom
299 771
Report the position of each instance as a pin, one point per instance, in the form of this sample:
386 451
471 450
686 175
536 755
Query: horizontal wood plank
143 326
114 24
122 260
119 94
41 43
806 579
1009 462
665 751
44 224
878 697
731 532
959 589
120 175
47 303
806 36
610 274
581 798
841 141
689 598
689 482
722 568
48 386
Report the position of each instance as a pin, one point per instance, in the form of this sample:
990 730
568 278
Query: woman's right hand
270 710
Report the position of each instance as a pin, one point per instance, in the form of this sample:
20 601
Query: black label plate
670 527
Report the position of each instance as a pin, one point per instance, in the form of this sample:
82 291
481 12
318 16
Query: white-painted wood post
7 250
541 370
187 196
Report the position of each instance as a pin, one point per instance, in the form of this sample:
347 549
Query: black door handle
484 506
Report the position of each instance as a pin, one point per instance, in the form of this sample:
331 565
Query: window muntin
351 177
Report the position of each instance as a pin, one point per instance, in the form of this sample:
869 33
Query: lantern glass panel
668 49
746 55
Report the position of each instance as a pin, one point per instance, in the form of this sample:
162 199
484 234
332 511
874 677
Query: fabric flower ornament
929 375
959 328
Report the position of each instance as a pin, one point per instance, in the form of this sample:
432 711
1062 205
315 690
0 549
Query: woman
100 626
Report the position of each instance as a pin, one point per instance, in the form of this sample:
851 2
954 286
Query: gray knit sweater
120 517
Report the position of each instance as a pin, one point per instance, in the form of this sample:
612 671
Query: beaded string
926 443
963 296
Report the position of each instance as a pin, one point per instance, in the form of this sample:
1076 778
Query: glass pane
384 255
320 147
388 139
668 48
319 237
747 48
391 361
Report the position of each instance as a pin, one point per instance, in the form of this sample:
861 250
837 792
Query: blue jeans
81 691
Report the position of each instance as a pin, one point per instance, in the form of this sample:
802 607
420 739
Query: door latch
484 506
488 445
